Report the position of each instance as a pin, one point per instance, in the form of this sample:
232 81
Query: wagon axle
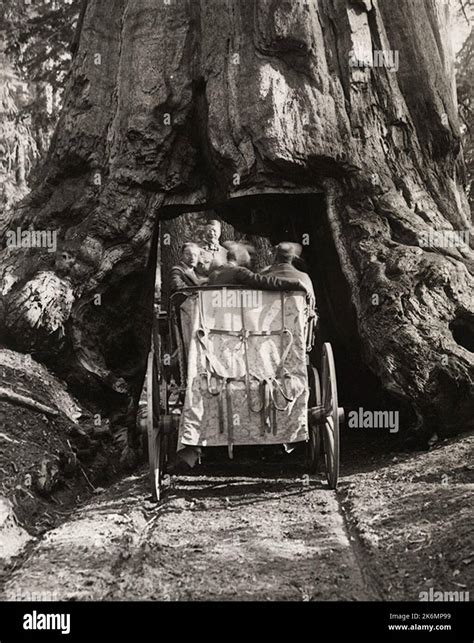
319 414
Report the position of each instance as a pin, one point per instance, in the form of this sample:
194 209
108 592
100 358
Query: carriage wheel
155 446
332 415
314 445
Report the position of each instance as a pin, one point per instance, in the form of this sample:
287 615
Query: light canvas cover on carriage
244 354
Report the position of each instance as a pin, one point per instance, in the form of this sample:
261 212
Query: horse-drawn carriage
229 366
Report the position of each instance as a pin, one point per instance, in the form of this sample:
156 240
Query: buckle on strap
230 419
244 334
211 382
282 389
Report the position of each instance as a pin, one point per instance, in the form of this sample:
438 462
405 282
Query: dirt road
214 537
229 533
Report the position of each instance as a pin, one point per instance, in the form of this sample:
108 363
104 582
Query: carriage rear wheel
332 415
314 445
155 437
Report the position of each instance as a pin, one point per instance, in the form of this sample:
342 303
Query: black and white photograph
236 320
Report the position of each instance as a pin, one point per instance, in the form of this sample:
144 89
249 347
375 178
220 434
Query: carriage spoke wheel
314 445
330 428
155 445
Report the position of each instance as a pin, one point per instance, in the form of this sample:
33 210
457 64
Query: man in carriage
213 254
184 273
283 266
236 271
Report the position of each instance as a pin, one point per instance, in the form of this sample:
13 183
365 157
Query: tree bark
187 104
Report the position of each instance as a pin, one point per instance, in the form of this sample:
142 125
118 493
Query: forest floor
259 528
52 456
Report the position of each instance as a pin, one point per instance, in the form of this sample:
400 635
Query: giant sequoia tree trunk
187 104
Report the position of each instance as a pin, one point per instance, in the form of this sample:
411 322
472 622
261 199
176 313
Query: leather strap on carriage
267 419
202 335
272 387
230 420
217 382
263 396
215 386
244 341
215 368
221 388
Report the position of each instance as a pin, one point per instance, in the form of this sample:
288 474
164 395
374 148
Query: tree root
22 400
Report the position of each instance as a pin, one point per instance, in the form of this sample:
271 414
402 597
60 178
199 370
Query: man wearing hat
282 266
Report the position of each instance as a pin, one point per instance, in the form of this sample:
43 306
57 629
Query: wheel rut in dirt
214 537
